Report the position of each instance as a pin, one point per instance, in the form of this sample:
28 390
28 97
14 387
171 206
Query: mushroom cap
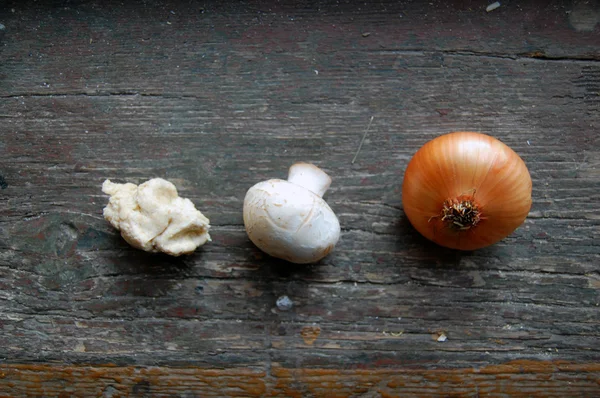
290 222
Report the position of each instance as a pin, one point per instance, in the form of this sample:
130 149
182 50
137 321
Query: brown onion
466 190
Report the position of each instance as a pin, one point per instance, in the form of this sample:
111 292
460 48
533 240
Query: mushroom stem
310 177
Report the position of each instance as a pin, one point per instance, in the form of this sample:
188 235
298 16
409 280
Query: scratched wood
216 96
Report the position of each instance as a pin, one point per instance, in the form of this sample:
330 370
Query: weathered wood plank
515 379
176 47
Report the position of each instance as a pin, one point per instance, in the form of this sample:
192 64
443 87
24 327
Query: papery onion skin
466 190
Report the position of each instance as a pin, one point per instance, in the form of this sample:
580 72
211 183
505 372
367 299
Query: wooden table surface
216 96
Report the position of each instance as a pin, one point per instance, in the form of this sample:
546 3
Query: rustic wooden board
220 95
514 379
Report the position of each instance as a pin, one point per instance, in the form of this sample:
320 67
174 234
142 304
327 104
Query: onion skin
466 190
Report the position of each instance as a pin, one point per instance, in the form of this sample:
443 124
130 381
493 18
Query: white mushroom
289 219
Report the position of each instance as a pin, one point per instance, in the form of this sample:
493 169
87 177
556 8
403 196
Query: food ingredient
289 219
153 217
466 190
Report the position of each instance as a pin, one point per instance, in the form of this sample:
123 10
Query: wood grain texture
216 96
515 379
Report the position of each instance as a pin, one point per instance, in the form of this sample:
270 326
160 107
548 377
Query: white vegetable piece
153 217
289 219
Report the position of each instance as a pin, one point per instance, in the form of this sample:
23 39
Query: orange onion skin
466 166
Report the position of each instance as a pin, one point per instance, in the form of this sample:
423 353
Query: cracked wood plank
176 48
226 95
